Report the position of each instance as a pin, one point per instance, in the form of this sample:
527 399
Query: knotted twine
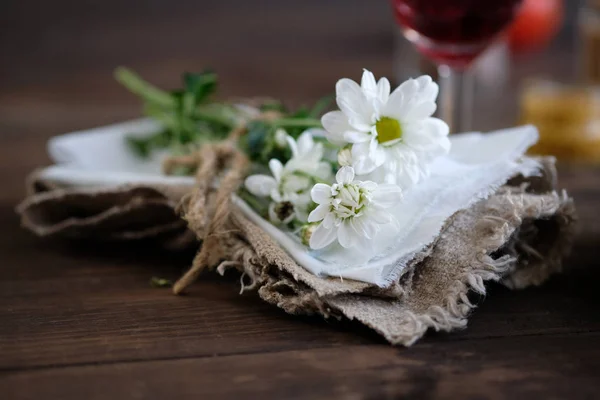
209 162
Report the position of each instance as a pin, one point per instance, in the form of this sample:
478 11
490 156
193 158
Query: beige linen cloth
517 237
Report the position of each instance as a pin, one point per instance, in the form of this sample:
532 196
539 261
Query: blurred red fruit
536 23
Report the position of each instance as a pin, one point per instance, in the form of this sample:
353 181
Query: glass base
455 55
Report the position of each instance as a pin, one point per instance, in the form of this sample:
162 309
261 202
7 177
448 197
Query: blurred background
58 56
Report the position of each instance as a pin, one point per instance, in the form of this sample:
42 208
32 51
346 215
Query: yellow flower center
388 129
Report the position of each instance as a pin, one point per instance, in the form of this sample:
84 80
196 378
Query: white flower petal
421 111
323 171
429 135
424 80
367 156
368 84
428 89
322 237
329 221
369 185
387 195
346 234
320 193
276 168
305 142
364 165
318 213
352 101
443 147
292 145
395 106
356 137
277 197
379 216
295 183
302 200
345 175
358 124
336 124
260 185
409 88
383 90
363 228
436 126
360 150
418 138
344 157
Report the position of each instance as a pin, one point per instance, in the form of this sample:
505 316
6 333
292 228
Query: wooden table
80 321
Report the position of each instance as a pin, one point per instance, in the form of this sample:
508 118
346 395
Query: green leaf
136 85
156 282
255 139
141 147
272 105
200 86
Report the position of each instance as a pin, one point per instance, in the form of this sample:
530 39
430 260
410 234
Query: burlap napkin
518 237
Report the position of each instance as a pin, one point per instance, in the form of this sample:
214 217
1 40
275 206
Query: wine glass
452 33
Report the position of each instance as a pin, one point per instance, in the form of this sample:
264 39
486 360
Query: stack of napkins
476 167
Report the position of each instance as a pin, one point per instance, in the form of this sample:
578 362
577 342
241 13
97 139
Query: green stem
135 84
216 113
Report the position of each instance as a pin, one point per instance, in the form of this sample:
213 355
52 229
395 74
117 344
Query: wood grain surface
80 320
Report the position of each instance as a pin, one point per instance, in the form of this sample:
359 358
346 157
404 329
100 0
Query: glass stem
456 101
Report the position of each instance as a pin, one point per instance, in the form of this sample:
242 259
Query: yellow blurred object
567 117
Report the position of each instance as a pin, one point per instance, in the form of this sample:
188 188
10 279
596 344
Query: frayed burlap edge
106 214
435 291
515 237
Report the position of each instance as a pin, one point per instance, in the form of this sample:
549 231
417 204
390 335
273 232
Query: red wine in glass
453 32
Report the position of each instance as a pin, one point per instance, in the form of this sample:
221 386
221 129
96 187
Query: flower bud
344 157
306 232
281 138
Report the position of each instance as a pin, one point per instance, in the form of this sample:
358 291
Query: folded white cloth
476 166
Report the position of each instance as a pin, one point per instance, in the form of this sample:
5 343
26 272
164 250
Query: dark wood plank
92 303
548 367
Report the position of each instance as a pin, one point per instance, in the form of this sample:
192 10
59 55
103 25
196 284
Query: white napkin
476 166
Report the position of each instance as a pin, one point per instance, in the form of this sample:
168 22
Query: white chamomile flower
307 156
350 211
289 185
285 190
394 132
